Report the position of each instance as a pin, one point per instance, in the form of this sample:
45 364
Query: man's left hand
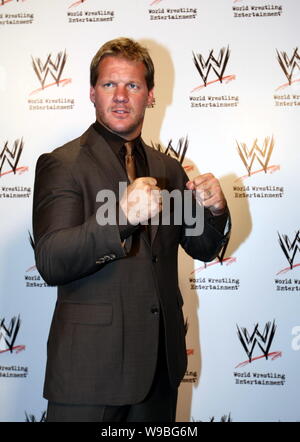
208 193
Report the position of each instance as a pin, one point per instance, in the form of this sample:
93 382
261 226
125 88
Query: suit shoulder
64 158
68 152
168 160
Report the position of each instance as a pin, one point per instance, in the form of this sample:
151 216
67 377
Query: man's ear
151 98
92 94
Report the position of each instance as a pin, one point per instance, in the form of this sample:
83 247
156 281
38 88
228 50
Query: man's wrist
219 212
125 228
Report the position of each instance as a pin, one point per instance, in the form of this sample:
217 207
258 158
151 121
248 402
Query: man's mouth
120 112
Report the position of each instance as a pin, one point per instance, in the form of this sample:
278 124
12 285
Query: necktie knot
129 145
129 161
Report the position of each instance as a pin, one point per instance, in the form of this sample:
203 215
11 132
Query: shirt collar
115 141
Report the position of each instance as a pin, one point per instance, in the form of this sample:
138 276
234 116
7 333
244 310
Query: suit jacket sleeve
67 246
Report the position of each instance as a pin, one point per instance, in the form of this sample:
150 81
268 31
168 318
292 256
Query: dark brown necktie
131 171
129 161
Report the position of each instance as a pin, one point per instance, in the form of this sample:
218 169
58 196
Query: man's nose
121 94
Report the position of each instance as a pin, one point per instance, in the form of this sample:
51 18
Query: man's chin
124 131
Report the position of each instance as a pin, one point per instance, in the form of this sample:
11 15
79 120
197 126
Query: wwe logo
289 65
221 254
186 325
50 67
217 65
8 334
179 152
6 1
262 155
77 3
256 338
290 248
32 418
12 157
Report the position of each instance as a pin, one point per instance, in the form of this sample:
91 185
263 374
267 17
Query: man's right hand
141 200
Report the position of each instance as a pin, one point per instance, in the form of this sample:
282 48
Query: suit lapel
107 163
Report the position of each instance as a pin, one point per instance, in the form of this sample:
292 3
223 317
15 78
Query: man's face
121 96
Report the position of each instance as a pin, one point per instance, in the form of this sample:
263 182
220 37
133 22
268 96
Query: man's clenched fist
141 200
208 192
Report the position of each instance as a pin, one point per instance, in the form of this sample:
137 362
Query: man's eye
133 86
107 85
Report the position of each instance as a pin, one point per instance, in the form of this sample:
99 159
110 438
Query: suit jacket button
154 310
155 259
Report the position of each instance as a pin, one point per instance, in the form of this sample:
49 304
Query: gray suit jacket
103 339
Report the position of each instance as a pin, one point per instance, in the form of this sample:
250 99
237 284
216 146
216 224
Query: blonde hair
125 48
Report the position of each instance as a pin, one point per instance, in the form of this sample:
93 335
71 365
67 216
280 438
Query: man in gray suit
116 348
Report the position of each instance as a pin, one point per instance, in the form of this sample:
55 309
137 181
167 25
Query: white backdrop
228 88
